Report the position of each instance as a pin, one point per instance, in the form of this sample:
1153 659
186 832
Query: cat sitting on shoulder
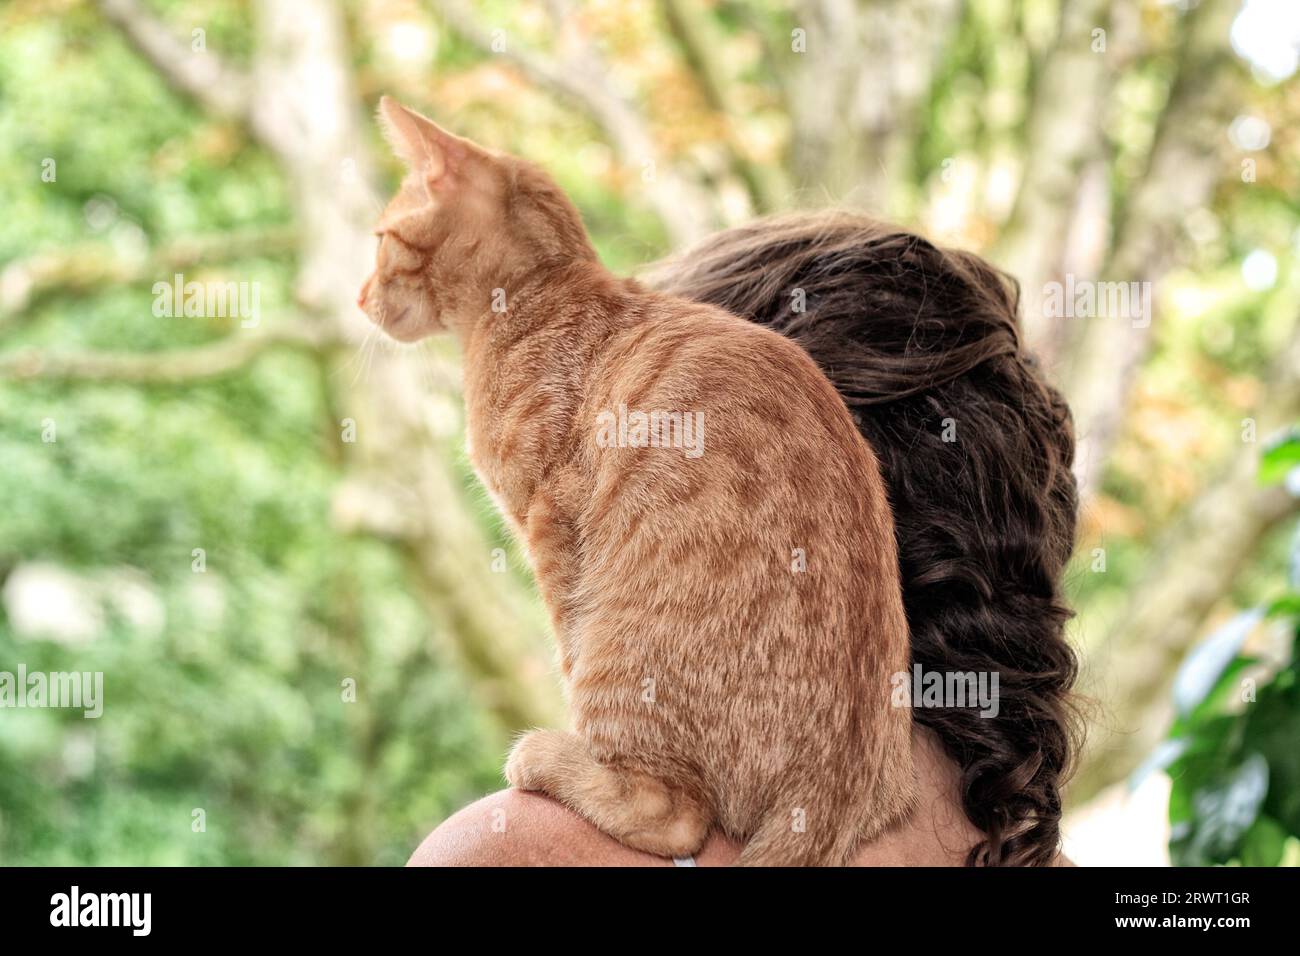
727 620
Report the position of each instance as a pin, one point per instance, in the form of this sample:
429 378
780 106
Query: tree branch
79 270
1059 145
170 367
699 42
307 86
305 113
582 78
825 130
1196 563
200 75
1182 170
857 93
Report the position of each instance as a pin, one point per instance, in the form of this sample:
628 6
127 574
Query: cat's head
465 223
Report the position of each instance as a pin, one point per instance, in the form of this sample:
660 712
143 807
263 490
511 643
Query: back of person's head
976 448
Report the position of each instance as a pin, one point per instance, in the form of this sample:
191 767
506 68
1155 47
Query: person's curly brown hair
913 336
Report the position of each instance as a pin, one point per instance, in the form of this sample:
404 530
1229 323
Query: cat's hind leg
633 807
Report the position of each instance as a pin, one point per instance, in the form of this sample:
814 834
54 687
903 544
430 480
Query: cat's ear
426 148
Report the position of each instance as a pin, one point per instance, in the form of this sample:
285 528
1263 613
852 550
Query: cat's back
709 427
754 390
678 337
755 568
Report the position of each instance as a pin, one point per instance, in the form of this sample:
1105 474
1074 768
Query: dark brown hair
921 340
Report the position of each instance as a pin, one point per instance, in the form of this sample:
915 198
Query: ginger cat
723 584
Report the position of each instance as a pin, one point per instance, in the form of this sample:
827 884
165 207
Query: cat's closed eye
383 250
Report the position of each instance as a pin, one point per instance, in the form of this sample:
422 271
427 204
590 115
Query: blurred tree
1231 750
1065 138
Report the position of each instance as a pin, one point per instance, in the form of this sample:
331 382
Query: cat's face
433 229
465 222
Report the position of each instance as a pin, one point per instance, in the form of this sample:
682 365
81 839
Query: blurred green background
310 623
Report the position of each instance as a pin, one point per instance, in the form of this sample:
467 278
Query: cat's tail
779 842
828 835
789 839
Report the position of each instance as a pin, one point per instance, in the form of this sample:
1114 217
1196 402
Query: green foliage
234 705
1235 762
232 701
1280 458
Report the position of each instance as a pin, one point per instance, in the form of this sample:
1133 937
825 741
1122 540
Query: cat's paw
531 755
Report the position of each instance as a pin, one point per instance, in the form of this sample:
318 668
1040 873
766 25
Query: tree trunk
1195 564
305 91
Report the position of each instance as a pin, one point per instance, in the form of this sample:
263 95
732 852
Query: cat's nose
361 296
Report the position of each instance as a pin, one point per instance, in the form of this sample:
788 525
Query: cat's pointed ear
425 147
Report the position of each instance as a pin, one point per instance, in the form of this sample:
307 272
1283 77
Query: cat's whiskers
365 354
354 357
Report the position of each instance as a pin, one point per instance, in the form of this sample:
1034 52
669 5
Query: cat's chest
483 458
518 428
521 418
502 453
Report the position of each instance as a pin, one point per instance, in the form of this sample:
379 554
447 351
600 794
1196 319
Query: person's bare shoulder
515 828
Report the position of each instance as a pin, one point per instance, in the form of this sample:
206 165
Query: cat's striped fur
727 623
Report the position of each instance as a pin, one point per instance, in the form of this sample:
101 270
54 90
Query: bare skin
517 828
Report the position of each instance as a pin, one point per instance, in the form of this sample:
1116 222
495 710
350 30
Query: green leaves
1234 793
1233 753
1224 809
1280 457
233 704
1203 670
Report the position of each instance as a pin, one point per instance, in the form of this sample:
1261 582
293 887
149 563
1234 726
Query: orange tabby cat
708 528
